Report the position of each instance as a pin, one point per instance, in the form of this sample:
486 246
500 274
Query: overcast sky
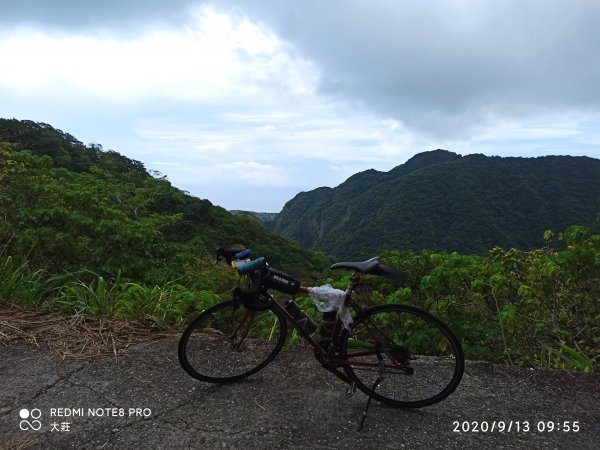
246 103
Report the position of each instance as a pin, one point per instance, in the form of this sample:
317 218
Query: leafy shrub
535 307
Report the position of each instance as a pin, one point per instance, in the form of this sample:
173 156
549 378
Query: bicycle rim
418 358
229 342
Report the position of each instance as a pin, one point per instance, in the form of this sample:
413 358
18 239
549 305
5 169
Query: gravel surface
293 403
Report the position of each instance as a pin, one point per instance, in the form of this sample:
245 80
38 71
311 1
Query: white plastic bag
326 298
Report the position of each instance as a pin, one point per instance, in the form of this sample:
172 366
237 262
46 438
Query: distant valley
266 218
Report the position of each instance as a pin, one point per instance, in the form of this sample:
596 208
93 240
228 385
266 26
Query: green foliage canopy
536 307
65 206
441 201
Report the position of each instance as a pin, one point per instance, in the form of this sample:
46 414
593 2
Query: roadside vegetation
88 232
537 308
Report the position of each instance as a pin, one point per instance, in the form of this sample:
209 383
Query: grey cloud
441 67
445 67
68 15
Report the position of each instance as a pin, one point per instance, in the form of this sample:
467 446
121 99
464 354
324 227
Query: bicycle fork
243 328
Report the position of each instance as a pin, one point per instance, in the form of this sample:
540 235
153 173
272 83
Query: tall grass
94 298
169 305
89 293
19 284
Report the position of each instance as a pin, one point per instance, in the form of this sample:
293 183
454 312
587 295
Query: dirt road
144 400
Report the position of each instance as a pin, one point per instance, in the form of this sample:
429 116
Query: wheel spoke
423 361
227 343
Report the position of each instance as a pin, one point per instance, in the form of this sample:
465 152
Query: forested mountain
439 200
65 206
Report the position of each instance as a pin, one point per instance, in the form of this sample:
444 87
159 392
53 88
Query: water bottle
327 325
302 319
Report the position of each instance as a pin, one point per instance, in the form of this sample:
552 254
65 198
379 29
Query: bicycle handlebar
259 271
231 255
251 266
238 259
243 254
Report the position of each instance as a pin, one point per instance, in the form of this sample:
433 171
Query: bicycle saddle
363 267
371 267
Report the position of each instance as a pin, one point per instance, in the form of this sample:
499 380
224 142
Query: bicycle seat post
355 279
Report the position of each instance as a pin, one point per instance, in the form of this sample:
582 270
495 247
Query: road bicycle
397 354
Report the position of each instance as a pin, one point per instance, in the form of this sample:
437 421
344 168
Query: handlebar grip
243 254
252 265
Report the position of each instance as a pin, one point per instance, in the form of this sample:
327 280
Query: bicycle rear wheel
415 357
229 341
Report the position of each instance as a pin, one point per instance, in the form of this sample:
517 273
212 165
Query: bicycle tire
212 349
422 359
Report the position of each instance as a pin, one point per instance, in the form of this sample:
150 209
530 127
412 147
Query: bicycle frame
307 337
327 354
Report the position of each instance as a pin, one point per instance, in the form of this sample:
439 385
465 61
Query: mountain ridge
440 200
67 207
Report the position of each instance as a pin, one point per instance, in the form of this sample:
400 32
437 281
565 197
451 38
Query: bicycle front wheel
402 356
229 341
